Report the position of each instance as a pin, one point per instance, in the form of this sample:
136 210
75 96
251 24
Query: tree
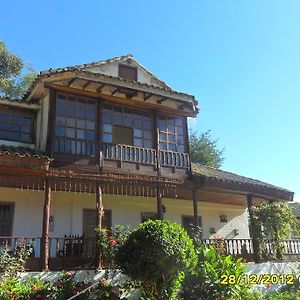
204 150
13 84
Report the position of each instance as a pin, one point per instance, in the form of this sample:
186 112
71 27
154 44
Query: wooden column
251 229
160 213
195 207
99 217
45 230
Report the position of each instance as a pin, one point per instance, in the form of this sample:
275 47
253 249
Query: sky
240 59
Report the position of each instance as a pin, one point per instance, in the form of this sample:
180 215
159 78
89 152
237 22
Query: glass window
138 126
171 133
16 127
75 125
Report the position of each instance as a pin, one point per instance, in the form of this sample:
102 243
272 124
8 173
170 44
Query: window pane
163 146
147 134
25 129
80 124
107 128
107 117
138 142
3 134
172 147
137 123
60 131
147 124
163 136
70 122
80 114
70 132
80 133
171 128
179 121
25 137
107 138
179 130
71 112
127 122
90 125
4 117
89 134
162 126
90 115
147 143
171 137
118 120
180 148
138 133
61 110
60 121
4 125
179 139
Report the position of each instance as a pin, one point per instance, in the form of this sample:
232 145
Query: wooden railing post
251 230
45 230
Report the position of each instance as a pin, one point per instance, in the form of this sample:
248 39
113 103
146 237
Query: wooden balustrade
174 159
77 251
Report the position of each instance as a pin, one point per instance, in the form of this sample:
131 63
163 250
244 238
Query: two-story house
109 135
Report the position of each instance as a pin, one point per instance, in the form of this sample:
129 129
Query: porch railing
72 252
145 155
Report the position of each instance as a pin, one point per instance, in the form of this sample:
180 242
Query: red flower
58 283
74 291
113 242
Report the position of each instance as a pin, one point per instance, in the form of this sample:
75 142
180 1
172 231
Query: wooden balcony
77 252
132 158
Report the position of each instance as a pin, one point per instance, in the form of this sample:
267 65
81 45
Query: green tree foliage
13 83
157 254
204 150
274 221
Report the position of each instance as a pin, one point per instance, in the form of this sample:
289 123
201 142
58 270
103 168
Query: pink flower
115 290
74 291
268 285
104 282
69 274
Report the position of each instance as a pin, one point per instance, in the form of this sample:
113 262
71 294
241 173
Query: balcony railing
145 155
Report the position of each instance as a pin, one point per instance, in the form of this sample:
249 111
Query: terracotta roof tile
22 152
210 173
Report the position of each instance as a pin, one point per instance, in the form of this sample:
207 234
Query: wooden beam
86 85
251 229
45 229
161 100
100 87
72 81
99 217
51 123
115 91
142 105
195 207
160 213
147 96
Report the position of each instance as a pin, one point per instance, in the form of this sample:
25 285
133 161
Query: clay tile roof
22 152
209 173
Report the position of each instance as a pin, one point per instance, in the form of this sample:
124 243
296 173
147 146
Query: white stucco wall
67 209
112 70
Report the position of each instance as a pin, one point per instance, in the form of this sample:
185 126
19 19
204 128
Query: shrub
12 263
157 254
204 282
110 241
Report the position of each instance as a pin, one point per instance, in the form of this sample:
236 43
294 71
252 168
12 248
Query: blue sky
241 60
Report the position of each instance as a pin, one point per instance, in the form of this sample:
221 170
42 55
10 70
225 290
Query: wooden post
251 230
160 213
195 207
45 230
99 216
